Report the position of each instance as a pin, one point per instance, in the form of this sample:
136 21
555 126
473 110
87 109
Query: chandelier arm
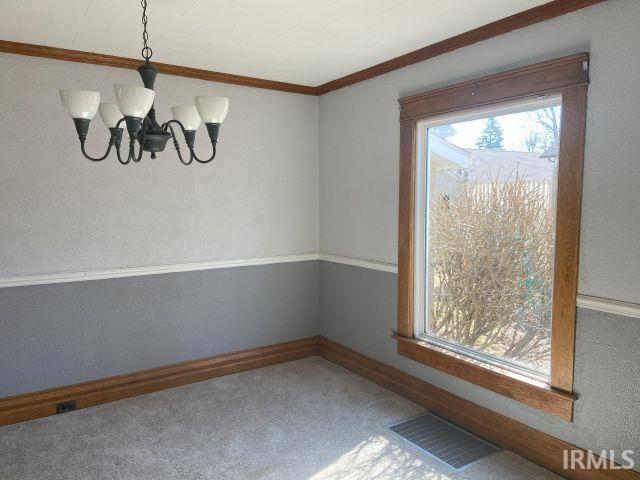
212 129
117 144
213 155
189 138
139 136
114 140
99 159
132 150
167 126
123 162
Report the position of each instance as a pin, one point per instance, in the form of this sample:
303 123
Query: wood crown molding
532 444
165 68
523 19
42 404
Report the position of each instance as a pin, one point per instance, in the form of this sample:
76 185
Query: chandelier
134 107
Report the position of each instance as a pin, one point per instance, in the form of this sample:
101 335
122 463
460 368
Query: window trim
568 77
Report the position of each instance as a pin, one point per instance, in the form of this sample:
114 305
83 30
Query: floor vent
448 443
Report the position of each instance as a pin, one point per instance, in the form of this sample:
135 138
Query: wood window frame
569 77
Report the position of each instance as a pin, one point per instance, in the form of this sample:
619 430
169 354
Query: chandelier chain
147 52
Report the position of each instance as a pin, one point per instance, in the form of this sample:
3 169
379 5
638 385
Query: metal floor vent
448 443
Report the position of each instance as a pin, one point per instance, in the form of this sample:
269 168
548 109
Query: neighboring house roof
480 165
502 164
447 156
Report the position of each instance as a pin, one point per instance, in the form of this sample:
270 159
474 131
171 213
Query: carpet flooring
307 420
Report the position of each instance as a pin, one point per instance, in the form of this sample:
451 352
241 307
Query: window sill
525 390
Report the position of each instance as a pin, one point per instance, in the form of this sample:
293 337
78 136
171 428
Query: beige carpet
308 419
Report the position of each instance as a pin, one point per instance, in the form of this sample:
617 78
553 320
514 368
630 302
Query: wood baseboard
41 404
527 442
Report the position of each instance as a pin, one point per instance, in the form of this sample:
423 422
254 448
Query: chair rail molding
590 302
606 305
66 277
360 262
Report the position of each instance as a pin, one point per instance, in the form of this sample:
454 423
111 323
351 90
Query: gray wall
358 309
359 138
62 213
54 335
359 142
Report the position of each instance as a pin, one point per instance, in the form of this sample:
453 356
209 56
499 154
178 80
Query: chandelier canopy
134 108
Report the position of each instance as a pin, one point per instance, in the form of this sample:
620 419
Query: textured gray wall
53 335
358 309
359 138
62 213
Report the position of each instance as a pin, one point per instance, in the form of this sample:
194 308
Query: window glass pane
490 235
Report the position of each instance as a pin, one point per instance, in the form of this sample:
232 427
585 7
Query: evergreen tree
491 137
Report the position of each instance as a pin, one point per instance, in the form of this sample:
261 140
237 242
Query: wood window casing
567 76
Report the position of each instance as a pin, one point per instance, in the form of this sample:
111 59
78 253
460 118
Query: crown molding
547 11
523 19
165 68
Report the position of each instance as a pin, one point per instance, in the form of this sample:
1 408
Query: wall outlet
64 407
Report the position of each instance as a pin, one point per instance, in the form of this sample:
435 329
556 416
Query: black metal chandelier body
135 109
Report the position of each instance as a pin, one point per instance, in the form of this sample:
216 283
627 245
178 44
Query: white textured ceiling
300 41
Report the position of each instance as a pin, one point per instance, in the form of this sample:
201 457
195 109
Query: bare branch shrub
491 257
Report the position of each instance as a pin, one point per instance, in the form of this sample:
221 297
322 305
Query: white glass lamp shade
110 114
188 116
212 109
80 103
133 100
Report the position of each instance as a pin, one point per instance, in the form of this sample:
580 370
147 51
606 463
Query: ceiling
308 42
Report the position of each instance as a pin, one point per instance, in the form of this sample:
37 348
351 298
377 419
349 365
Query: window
486 201
490 188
